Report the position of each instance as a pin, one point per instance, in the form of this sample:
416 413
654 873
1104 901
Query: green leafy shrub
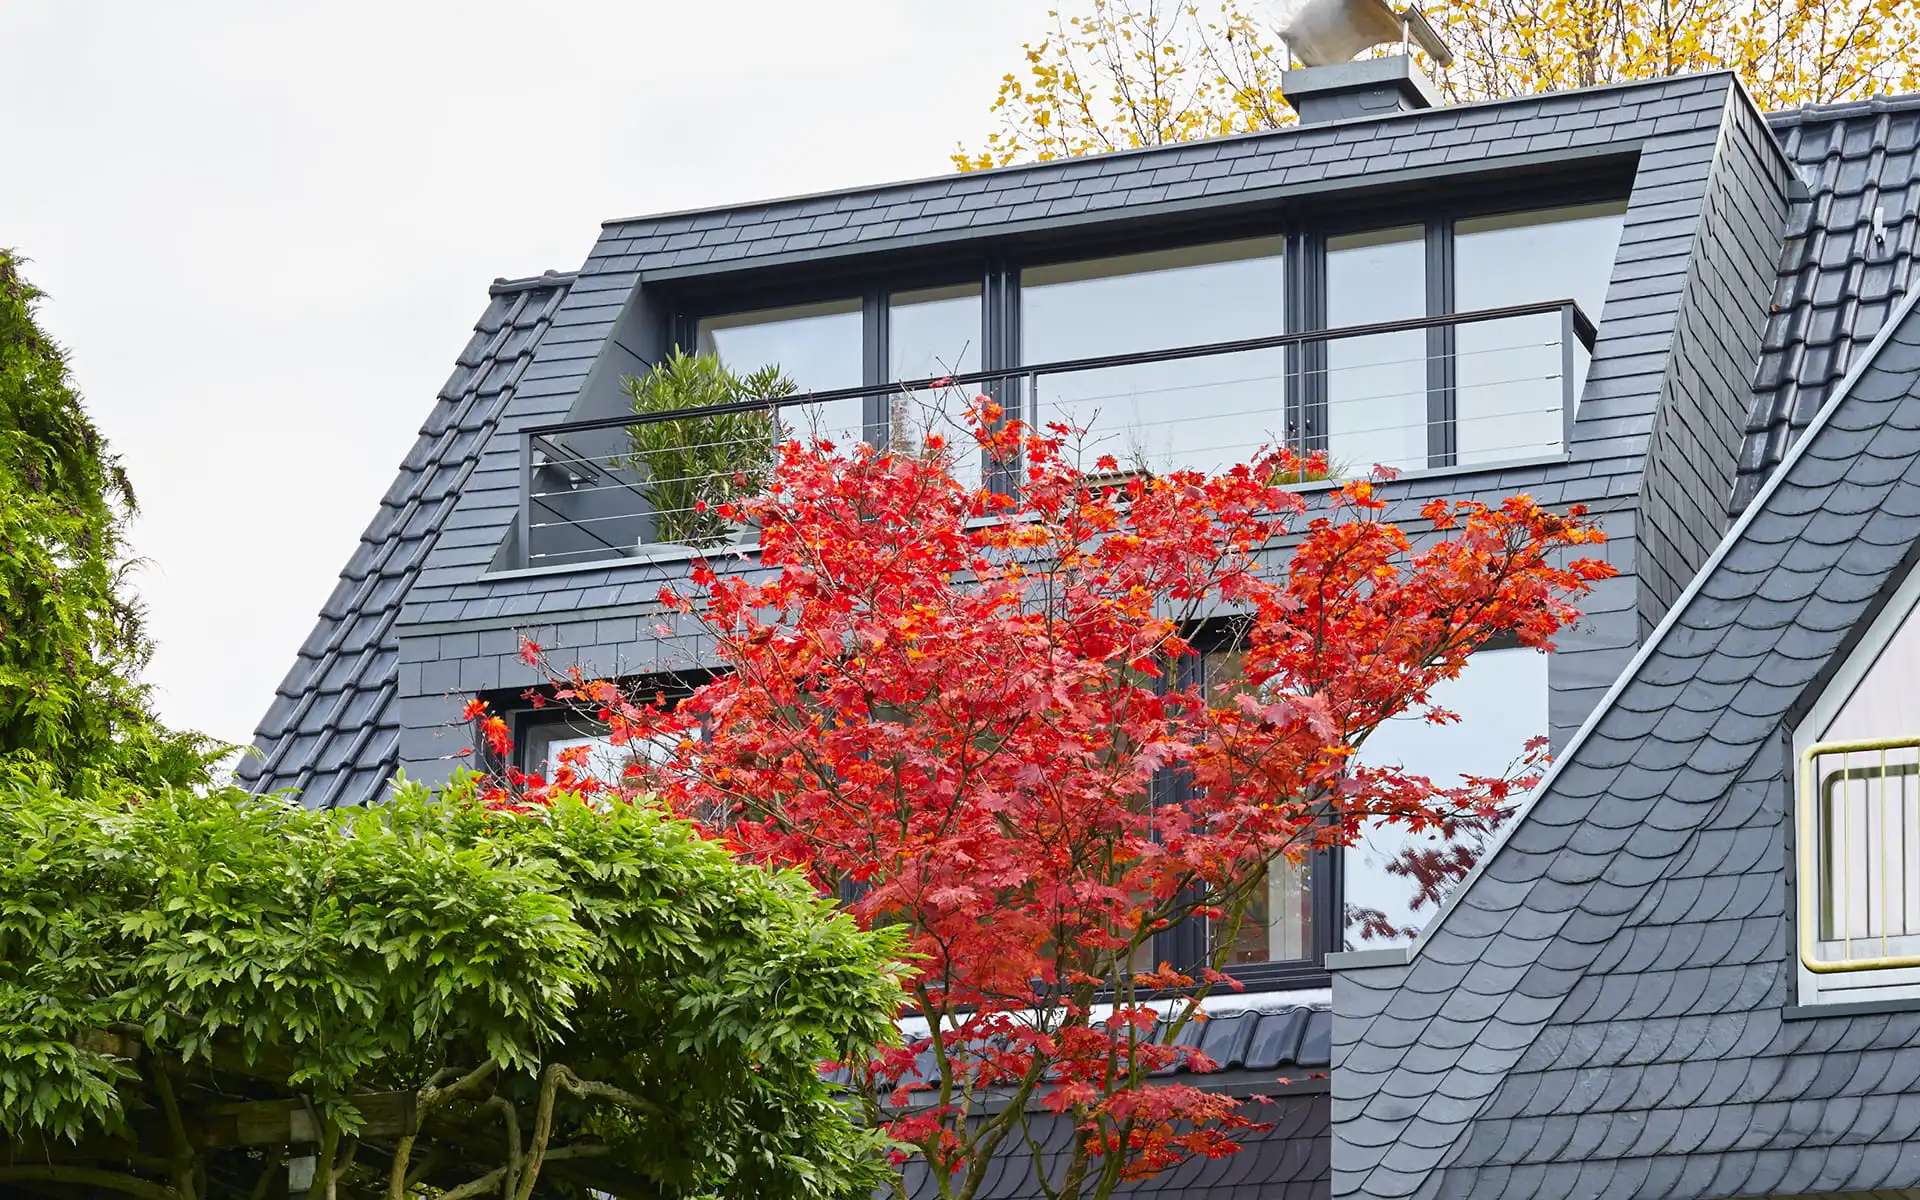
595 987
693 465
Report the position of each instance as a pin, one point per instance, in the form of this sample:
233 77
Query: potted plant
691 466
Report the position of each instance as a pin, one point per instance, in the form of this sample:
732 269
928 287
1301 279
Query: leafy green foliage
694 465
71 645
597 970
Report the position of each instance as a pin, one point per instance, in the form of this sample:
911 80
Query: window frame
1185 944
873 292
1304 233
524 719
1815 989
1326 877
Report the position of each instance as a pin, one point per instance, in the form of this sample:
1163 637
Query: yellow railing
1828 882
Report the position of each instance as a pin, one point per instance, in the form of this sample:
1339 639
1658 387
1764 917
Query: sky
266 231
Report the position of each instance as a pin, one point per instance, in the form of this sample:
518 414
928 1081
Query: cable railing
1859 846
1478 388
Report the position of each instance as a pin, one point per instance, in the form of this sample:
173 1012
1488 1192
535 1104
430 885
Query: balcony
1859 848
1457 391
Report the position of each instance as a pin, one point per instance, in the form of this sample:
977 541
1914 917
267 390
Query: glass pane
1868 826
1547 254
1886 701
1869 811
930 334
1501 699
1377 386
1511 402
1278 923
1509 373
1204 412
605 761
819 346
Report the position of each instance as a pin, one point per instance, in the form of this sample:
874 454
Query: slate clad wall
1697 426
1604 1013
1673 124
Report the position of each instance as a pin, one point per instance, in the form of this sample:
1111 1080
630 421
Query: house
1635 298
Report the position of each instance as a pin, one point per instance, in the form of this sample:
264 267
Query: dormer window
1421 340
1857 819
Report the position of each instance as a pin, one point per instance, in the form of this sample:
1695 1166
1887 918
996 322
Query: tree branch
542 1130
180 1162
276 1159
88 1177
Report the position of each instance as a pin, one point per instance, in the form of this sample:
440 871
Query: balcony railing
1859 850
1484 387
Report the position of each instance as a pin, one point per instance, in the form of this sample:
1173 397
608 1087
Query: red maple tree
962 711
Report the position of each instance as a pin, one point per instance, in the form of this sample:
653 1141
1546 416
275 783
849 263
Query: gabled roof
332 731
1602 1010
1852 242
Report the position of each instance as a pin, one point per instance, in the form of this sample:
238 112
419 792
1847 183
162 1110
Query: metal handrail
1810 841
1583 329
1575 327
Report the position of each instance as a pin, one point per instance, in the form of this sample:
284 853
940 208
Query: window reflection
1509 373
818 346
1203 413
1377 386
1501 700
1278 923
931 334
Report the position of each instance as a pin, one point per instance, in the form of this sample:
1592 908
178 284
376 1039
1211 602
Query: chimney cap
1374 87
1324 33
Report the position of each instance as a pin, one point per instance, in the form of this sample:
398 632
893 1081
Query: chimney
1324 35
1377 87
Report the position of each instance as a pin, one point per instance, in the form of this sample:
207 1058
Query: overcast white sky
267 230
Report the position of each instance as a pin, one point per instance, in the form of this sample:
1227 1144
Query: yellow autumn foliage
1129 73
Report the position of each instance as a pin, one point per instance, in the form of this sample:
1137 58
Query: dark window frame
524 719
1185 945
1305 231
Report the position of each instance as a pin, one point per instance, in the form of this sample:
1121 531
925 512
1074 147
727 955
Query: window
540 735
1277 926
1857 825
1474 393
818 346
1204 413
1355 900
543 740
1377 387
1502 412
1501 700
933 333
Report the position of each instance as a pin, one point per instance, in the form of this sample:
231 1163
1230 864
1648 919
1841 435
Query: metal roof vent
1326 34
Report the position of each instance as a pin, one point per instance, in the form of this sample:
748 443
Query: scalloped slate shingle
1604 1012
332 732
1850 256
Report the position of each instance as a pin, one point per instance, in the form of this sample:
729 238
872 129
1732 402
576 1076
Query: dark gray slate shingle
332 732
1622 1024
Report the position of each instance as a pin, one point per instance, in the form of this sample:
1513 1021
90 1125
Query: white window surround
1818 727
